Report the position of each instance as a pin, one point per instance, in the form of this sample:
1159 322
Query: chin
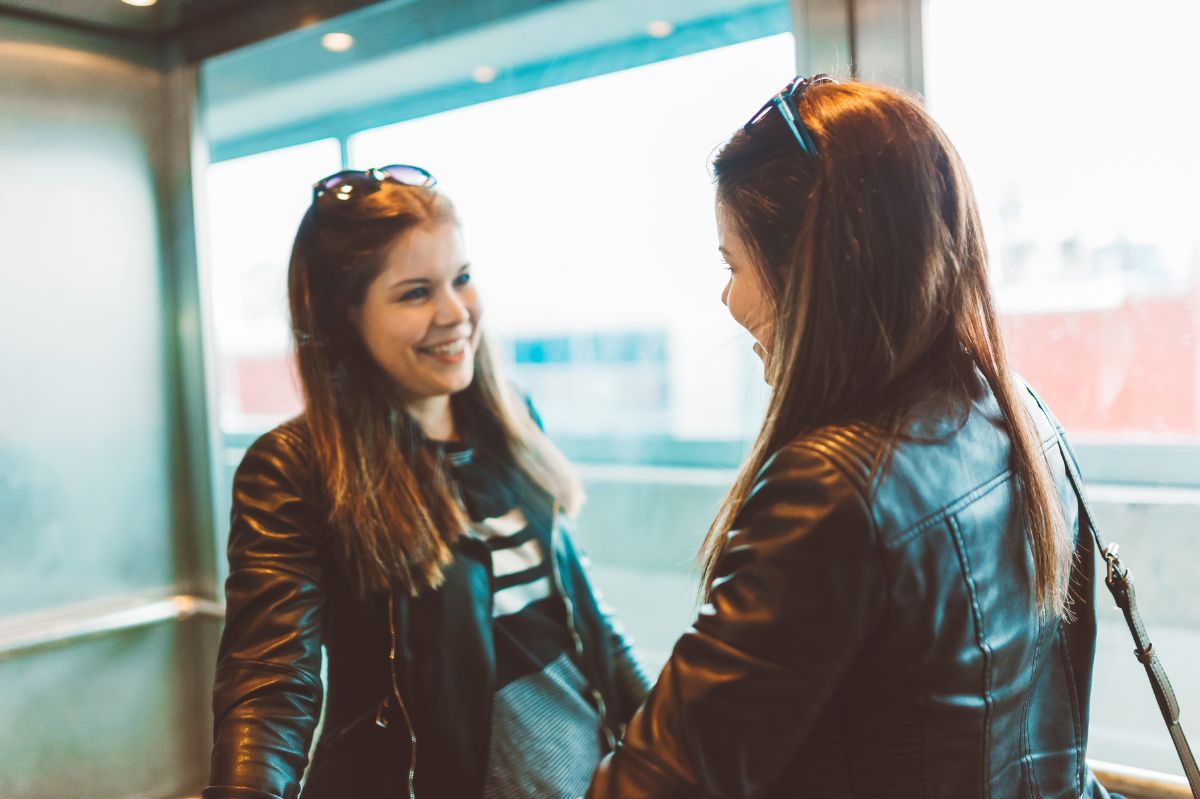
460 382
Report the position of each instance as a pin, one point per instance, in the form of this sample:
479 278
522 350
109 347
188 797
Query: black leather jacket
410 681
874 634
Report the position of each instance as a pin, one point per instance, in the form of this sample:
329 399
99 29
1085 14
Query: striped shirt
546 737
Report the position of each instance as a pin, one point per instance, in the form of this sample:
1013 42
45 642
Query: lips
448 352
450 348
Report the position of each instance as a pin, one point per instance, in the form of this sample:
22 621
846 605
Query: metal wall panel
90 475
97 719
84 478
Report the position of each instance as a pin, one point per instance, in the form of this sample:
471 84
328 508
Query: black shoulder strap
1120 584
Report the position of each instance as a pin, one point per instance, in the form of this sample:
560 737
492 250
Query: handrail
1140 783
22 635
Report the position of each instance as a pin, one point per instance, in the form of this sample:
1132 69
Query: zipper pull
380 719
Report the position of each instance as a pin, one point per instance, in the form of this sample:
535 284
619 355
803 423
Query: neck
434 416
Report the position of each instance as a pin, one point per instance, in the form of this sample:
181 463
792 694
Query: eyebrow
424 281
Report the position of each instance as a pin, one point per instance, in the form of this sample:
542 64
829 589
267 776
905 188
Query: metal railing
33 632
1137 783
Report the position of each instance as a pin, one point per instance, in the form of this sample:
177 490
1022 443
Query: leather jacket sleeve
797 592
267 694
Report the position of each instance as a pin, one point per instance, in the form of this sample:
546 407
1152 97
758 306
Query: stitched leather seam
980 641
1031 782
963 502
946 511
1076 721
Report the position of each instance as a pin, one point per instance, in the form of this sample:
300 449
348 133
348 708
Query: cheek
390 329
474 303
735 301
750 310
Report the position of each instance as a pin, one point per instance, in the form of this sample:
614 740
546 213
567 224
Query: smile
450 352
453 348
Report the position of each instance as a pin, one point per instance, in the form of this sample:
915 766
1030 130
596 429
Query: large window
1082 149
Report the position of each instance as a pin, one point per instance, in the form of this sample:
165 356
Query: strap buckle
1116 572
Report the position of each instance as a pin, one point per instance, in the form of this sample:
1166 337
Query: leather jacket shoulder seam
285 437
836 452
860 489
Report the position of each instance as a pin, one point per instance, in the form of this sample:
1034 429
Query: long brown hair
390 503
874 258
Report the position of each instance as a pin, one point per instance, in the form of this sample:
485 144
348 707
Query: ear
354 317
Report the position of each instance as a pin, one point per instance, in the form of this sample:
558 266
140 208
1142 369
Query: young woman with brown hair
413 523
898 601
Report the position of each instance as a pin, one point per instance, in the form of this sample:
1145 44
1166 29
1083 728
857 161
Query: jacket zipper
597 697
412 734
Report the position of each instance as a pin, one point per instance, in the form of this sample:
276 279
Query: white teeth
453 348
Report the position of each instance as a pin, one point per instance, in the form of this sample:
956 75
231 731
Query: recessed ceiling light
660 28
483 74
337 42
139 3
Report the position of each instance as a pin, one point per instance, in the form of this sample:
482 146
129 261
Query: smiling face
745 295
419 319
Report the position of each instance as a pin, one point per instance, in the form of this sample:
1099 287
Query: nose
452 309
725 292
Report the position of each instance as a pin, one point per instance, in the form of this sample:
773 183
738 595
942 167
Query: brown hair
392 508
874 259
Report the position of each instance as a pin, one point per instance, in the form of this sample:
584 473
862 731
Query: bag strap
1120 584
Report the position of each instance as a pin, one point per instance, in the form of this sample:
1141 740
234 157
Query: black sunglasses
351 184
787 103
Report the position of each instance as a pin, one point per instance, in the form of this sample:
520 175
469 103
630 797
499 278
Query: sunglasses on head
351 184
787 103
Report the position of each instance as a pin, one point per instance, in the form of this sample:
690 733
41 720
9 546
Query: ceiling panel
118 17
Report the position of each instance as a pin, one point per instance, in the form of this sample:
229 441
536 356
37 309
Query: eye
418 293
462 279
